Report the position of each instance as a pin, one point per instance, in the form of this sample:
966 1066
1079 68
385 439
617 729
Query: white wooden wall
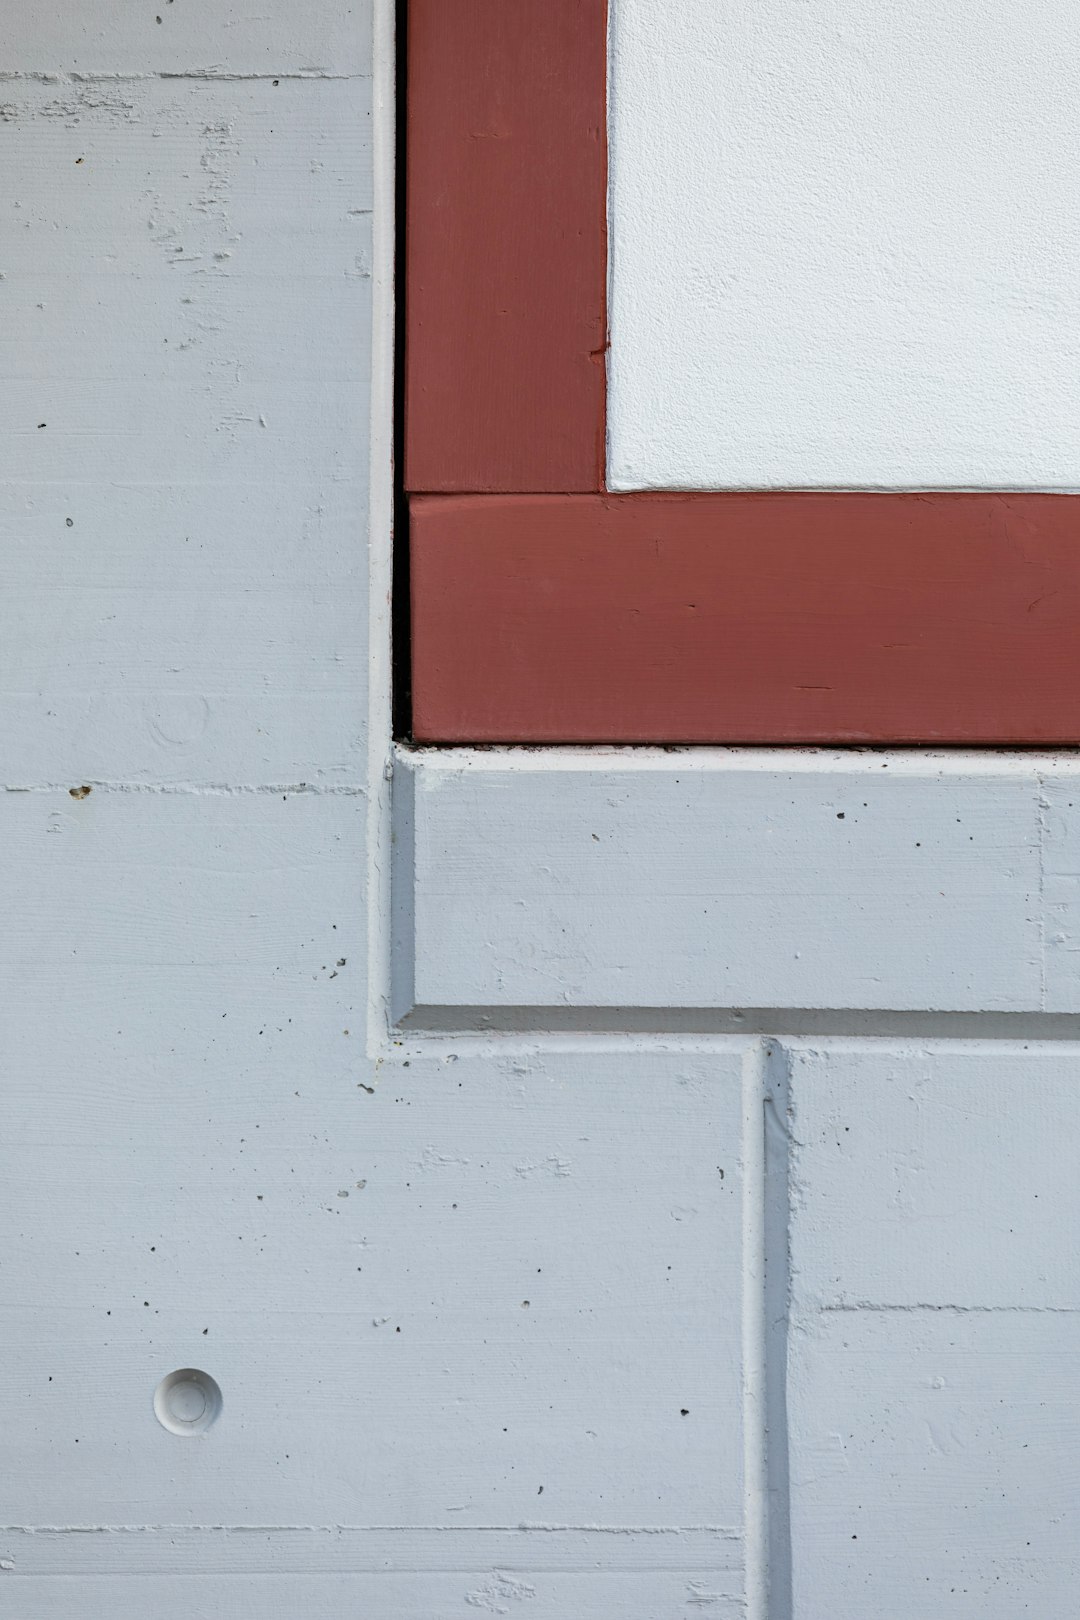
670 1195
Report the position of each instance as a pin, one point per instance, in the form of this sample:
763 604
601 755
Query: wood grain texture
747 618
196 40
506 245
325 1574
588 1594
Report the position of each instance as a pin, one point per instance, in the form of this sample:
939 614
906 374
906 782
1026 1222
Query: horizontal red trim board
767 618
506 244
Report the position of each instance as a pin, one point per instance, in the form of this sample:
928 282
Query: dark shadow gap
875 1023
778 1206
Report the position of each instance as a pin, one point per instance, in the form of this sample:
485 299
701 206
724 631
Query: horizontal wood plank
224 39
747 619
588 1593
716 879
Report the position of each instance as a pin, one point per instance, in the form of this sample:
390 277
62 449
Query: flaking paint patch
72 108
553 1165
498 1592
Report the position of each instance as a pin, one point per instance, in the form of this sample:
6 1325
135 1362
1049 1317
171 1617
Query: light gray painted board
444 1572
189 1030
933 1348
190 37
131 881
189 309
586 1594
942 1175
701 880
933 1465
194 1132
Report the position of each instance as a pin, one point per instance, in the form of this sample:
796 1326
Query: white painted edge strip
1031 763
380 538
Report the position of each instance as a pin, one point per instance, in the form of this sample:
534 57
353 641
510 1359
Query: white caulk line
380 541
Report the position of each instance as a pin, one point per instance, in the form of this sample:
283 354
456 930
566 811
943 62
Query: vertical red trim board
506 245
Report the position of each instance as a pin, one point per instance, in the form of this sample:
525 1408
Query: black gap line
400 615
794 1022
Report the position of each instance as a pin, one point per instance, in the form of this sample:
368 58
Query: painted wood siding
604 1184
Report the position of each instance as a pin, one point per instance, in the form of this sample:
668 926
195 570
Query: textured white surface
933 1354
389 1573
719 879
844 240
217 1152
476 1313
478 1299
184 418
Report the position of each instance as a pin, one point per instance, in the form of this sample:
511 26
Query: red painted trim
767 618
573 617
506 245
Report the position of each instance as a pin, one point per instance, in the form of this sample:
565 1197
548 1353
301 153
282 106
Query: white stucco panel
844 240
